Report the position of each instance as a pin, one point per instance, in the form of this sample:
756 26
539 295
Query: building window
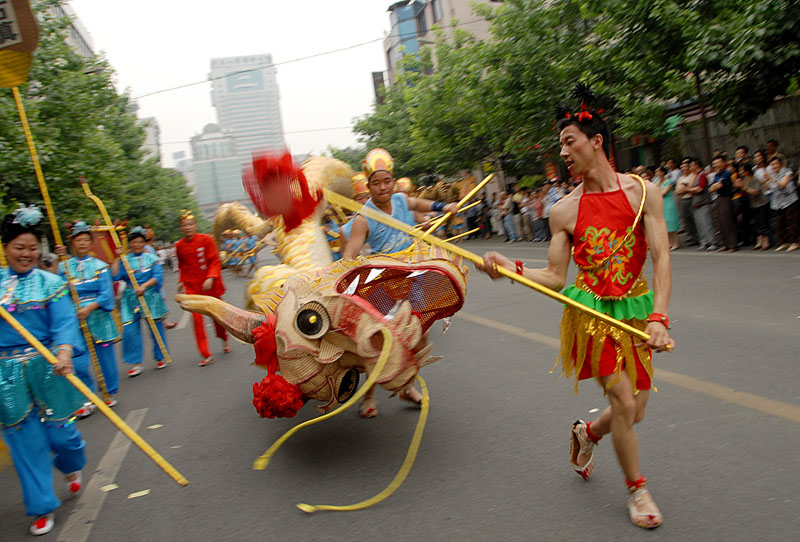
436 8
422 26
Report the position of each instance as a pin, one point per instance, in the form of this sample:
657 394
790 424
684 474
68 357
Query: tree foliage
465 102
82 126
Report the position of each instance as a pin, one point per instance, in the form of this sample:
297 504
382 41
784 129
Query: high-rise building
412 20
244 90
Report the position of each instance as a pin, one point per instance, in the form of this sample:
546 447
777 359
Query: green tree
82 126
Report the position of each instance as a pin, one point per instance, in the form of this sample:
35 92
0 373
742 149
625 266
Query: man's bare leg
369 406
625 410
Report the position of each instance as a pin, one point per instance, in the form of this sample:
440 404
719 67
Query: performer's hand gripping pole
87 335
234 252
464 200
110 414
349 204
142 303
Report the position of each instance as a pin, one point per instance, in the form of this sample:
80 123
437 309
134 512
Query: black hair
744 147
136 234
697 161
719 157
774 142
586 119
746 167
662 169
10 229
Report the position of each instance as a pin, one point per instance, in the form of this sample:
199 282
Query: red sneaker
136 371
206 362
161 365
43 524
111 403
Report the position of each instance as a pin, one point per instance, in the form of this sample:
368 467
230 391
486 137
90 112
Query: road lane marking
752 401
80 522
184 319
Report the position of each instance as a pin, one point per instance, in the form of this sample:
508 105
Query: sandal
206 362
580 444
640 519
369 408
406 395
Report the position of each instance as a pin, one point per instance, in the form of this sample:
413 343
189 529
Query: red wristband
519 266
660 318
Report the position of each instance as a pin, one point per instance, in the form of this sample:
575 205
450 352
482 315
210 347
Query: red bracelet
660 318
519 266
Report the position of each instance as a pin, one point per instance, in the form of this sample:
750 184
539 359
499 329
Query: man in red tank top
200 273
609 220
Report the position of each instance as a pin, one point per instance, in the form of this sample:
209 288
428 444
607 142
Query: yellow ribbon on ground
87 335
401 475
333 197
116 420
262 462
134 283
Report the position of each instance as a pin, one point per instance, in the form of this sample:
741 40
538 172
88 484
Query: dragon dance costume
610 252
36 403
198 260
145 266
92 280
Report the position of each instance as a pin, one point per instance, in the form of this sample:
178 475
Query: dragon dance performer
335 234
92 279
35 402
149 275
200 273
599 219
378 168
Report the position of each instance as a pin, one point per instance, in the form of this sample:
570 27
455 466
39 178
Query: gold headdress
186 213
404 185
360 186
377 160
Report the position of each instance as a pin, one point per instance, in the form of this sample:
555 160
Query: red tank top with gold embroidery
604 220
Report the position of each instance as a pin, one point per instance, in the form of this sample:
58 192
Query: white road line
184 321
80 522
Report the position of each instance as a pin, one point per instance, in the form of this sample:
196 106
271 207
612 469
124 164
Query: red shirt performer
200 273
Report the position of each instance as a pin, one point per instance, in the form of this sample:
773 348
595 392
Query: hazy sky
158 44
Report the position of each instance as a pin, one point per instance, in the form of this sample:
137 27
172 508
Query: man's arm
655 230
426 205
213 264
554 276
358 234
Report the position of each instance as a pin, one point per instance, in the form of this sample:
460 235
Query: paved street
719 442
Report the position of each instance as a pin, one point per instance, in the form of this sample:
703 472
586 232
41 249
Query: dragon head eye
312 320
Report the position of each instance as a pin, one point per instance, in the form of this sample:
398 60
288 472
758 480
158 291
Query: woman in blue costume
36 403
149 275
92 280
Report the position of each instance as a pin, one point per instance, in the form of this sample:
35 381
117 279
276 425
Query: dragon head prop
326 329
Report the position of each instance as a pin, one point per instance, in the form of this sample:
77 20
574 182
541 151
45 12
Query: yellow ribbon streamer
262 462
401 475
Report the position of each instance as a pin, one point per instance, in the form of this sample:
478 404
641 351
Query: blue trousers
132 340
107 359
36 447
508 222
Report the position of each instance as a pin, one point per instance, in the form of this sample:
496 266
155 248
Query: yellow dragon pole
87 335
464 200
116 420
128 269
351 205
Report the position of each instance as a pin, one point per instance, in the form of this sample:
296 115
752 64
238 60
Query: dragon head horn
239 322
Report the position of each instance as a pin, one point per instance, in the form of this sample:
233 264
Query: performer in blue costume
36 403
92 280
378 169
149 275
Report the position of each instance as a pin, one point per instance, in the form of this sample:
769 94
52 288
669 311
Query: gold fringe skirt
577 328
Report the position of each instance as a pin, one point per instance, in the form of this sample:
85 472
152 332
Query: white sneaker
75 485
43 524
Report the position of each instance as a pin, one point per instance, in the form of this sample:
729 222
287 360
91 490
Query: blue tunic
384 240
40 302
145 266
92 280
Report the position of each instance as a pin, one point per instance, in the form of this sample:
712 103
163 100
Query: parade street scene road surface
493 464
